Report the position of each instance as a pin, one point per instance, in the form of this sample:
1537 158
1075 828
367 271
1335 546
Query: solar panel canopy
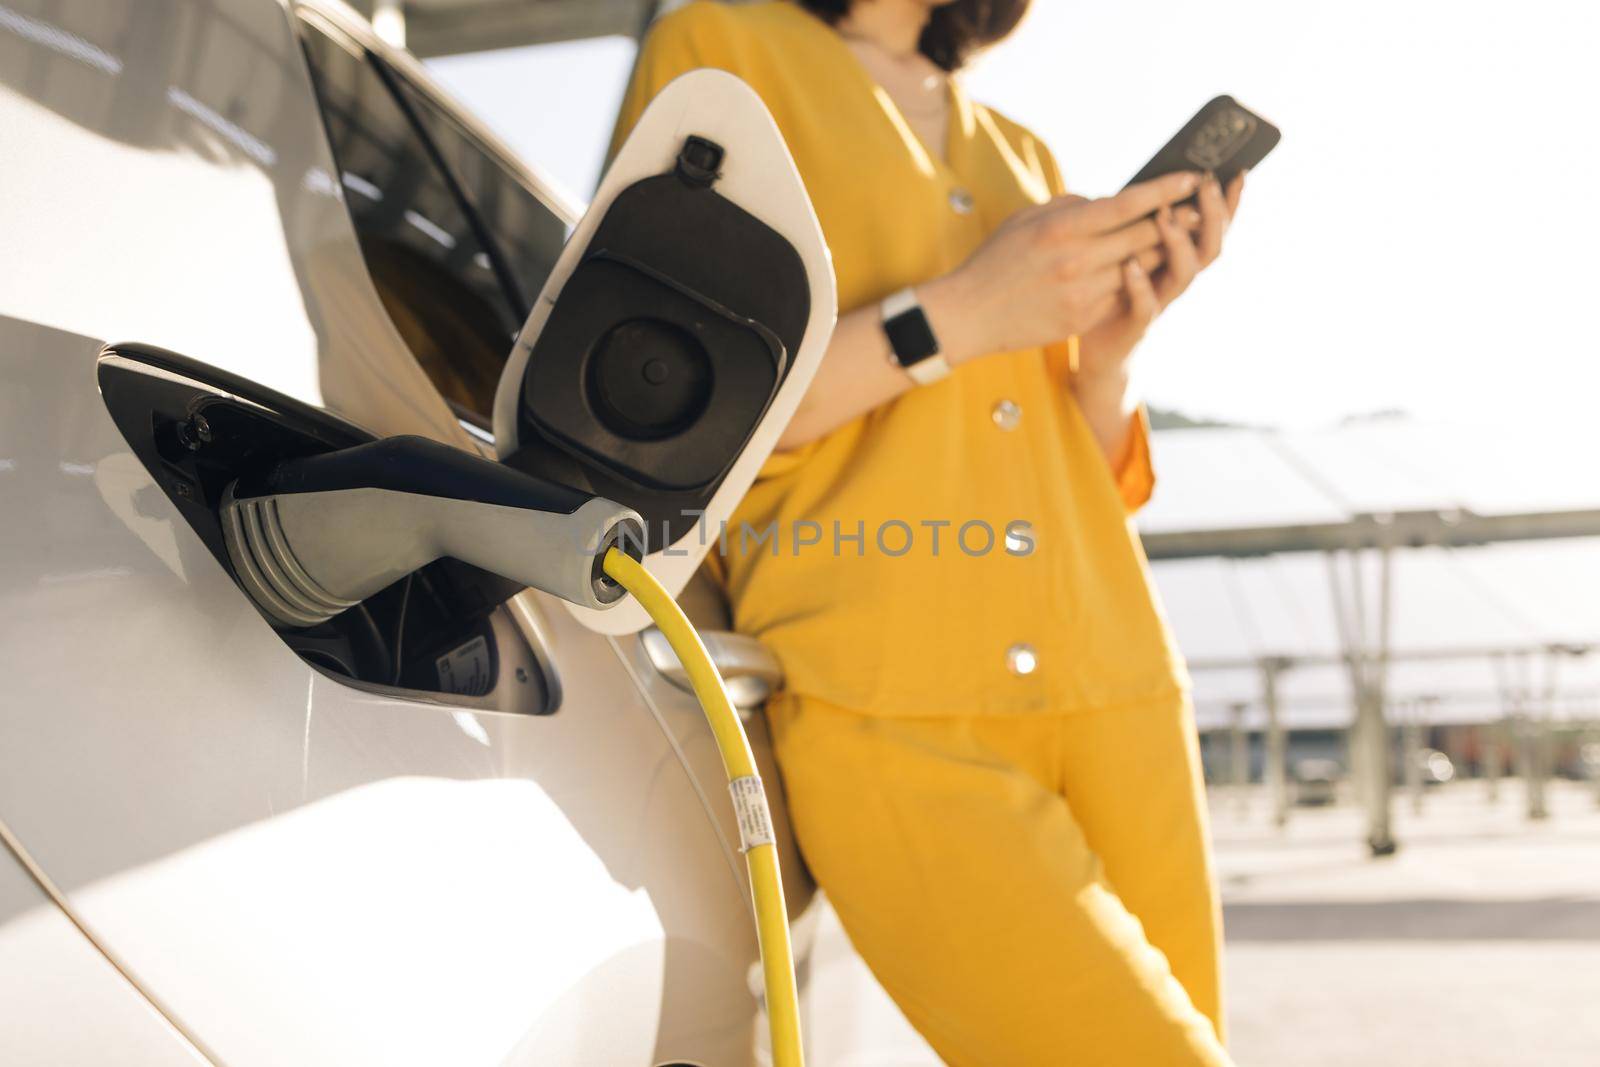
1457 611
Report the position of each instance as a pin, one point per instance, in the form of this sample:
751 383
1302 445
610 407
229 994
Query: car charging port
198 430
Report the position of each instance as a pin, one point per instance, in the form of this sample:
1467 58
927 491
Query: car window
456 246
527 232
578 85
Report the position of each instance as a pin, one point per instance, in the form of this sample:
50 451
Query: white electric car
456 824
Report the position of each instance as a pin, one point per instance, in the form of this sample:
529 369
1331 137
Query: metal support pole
1501 734
1525 740
1516 730
1239 755
1276 770
1411 753
1541 723
1454 742
1493 746
1426 719
1594 765
1517 692
1380 836
1349 643
1368 677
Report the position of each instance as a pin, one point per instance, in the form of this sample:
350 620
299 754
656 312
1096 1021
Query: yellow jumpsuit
985 737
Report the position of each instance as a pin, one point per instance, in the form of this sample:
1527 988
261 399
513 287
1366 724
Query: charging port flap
679 329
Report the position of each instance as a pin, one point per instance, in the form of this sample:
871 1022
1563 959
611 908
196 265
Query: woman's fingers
1183 258
1069 226
1108 281
1143 303
1235 190
1137 237
1114 247
1213 221
1133 203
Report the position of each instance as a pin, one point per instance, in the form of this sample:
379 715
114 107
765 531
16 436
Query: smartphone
1224 137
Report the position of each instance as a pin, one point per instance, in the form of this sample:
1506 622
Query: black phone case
1224 137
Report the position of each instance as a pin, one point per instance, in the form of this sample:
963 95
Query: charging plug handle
315 536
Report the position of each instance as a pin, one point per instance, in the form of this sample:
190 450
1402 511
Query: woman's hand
1050 271
1187 247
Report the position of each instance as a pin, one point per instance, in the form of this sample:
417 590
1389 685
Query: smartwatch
912 344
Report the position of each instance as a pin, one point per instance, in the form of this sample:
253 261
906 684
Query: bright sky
1424 238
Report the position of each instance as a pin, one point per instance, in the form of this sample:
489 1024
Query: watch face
911 336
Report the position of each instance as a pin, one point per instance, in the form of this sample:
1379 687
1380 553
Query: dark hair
954 31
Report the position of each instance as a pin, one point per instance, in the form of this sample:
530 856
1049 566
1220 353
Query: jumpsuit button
961 201
1021 659
1006 414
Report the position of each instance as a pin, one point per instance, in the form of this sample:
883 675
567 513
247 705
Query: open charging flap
679 329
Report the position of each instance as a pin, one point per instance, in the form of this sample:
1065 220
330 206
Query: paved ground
1478 945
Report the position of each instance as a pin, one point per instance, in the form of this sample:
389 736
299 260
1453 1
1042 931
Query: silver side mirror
748 667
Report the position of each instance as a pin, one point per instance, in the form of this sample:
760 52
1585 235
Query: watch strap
929 370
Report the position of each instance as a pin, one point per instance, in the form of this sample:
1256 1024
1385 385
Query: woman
987 747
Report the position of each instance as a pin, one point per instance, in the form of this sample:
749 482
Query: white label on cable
750 808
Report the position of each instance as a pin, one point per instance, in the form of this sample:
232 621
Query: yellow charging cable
749 801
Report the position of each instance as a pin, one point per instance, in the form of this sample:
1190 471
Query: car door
295 860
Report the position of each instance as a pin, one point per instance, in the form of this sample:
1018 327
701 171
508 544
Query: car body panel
50 973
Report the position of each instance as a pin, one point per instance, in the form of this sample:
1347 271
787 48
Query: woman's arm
1048 272
858 373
